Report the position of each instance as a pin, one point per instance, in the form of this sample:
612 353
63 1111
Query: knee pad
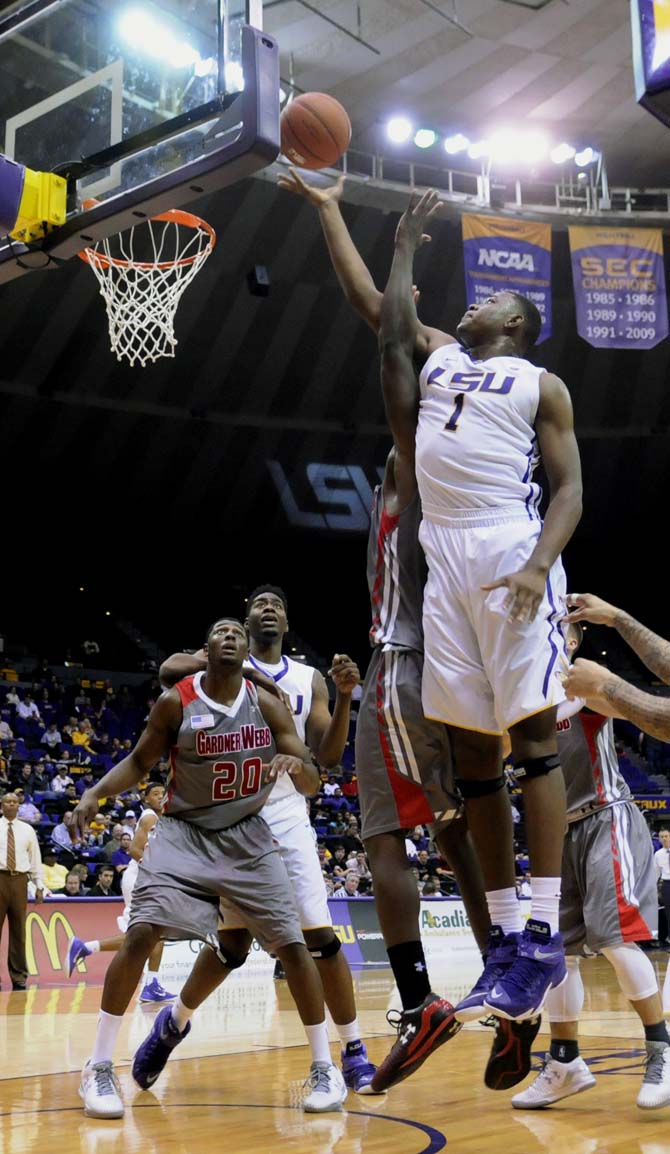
230 960
328 951
536 766
635 973
565 1004
473 788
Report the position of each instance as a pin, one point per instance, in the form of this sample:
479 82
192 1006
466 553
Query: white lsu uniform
128 879
476 451
285 811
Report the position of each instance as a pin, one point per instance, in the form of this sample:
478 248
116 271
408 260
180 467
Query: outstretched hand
586 607
315 194
526 590
415 218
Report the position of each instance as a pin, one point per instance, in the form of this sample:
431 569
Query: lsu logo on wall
333 497
345 934
46 927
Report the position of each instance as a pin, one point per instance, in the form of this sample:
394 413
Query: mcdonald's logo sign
47 928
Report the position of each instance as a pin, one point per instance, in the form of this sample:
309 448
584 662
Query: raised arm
597 684
153 744
180 665
327 733
560 455
653 650
351 270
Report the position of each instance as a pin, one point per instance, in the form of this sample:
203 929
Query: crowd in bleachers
57 738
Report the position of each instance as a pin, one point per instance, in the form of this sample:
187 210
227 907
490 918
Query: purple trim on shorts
554 649
532 513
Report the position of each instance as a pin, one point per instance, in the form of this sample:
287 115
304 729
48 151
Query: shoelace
527 973
105 1082
547 1075
655 1067
318 1079
395 1019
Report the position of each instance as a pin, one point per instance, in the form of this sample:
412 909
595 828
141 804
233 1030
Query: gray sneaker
100 1091
655 1088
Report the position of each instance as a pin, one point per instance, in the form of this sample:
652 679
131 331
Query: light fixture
147 35
454 144
399 129
561 153
478 149
425 138
586 156
509 146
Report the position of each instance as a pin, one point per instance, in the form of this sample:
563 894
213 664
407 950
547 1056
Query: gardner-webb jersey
216 766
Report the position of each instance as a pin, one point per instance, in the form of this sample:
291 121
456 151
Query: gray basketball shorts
608 881
403 760
186 870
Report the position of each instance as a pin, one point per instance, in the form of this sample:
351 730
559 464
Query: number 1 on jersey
452 423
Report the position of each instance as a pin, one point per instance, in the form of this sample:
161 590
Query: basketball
315 130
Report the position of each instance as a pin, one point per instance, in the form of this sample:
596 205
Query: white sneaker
101 1091
327 1089
655 1088
556 1080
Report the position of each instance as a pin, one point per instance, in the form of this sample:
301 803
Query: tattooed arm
595 683
653 650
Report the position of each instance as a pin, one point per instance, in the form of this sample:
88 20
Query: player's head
226 642
574 635
505 313
267 613
153 796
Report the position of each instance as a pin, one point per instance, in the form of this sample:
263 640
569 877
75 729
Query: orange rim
173 215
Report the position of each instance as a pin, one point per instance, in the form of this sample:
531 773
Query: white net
142 275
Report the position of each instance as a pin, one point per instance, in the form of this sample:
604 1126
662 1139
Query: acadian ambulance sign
510 254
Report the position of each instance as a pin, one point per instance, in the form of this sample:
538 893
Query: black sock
410 972
657 1033
562 1051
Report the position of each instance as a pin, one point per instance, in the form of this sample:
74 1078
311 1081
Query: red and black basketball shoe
420 1032
509 1060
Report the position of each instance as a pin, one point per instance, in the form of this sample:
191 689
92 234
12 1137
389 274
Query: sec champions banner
508 254
619 285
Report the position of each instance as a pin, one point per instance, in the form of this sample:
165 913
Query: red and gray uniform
211 844
608 882
403 760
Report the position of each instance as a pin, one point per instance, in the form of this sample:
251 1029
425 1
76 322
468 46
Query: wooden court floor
234 1085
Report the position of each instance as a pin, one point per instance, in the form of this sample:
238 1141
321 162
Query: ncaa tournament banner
619 283
510 254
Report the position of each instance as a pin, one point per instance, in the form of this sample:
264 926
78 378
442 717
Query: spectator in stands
28 811
72 886
350 887
130 823
61 834
42 673
51 738
5 781
27 709
13 697
350 787
22 775
337 866
61 779
41 777
330 786
82 735
114 842
429 888
362 866
82 872
85 781
104 883
6 732
662 862
418 838
68 798
121 859
352 839
54 873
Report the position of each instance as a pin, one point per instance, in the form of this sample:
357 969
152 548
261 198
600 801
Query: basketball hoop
142 275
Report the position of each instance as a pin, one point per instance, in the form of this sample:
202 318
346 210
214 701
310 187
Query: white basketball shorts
295 837
482 672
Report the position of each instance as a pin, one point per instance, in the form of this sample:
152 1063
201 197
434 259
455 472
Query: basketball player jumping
152 991
228 743
494 596
285 813
608 905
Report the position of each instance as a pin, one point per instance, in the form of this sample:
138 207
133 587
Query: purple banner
501 253
619 284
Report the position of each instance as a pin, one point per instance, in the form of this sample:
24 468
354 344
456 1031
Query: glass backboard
143 106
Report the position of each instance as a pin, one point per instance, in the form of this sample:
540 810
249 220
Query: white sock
94 946
181 1015
105 1038
317 1036
504 910
545 894
350 1032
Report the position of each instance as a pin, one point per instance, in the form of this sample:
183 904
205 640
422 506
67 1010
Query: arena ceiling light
399 129
454 144
586 156
147 35
562 153
425 138
509 146
478 149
